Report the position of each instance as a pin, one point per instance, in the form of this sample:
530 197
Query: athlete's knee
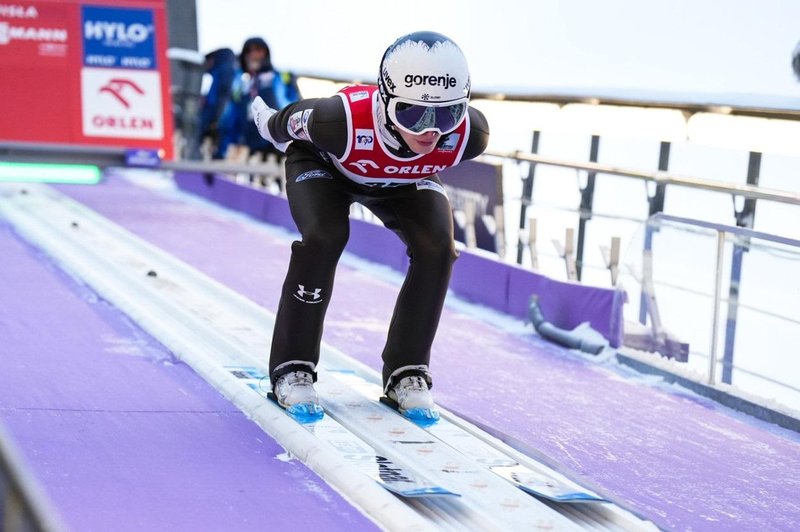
435 249
325 240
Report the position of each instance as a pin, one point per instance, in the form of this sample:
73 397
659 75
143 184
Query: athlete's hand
261 114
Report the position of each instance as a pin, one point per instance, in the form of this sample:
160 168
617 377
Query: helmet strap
388 131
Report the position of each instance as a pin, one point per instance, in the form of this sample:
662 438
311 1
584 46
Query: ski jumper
342 153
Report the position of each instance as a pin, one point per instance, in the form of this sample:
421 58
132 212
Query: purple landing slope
681 461
120 436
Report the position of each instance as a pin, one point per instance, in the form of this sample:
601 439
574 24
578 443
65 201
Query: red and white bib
368 161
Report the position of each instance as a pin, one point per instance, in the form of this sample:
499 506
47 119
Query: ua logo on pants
308 297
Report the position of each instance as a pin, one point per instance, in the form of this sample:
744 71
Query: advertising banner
480 185
86 73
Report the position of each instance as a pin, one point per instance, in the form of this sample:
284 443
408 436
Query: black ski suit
328 138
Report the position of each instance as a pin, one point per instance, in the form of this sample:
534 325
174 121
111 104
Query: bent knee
435 250
326 239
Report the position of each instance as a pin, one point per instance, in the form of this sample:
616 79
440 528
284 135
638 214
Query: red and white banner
85 72
122 104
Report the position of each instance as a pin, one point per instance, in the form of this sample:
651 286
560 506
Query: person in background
257 78
216 118
796 61
381 147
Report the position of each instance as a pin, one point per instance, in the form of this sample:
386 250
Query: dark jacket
278 89
220 65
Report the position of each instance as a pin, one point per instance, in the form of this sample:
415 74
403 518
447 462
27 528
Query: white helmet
424 83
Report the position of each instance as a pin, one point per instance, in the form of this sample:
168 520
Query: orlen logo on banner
118 87
121 103
118 37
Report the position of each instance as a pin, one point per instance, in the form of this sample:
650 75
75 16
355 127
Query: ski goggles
416 118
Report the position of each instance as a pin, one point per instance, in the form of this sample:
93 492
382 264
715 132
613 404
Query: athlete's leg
320 207
422 217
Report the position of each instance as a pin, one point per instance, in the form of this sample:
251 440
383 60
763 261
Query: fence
684 326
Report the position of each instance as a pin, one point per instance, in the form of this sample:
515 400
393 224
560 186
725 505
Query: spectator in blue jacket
257 77
216 114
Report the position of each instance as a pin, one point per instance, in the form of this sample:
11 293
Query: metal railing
658 177
742 235
741 239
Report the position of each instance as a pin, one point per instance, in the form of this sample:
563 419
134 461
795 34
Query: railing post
527 197
712 357
567 252
611 258
500 230
656 201
744 218
656 205
532 243
587 199
470 237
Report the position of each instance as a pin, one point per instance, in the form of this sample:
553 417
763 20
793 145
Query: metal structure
745 194
723 234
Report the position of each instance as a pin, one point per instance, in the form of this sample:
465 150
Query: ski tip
424 417
302 412
306 412
432 491
578 497
559 496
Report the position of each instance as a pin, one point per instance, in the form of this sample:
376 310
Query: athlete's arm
325 126
478 135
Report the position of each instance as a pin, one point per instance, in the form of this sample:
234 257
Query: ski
393 476
542 485
344 398
537 483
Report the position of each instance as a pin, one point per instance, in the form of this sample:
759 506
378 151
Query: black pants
320 199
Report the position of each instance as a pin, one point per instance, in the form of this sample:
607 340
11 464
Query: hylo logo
116 31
